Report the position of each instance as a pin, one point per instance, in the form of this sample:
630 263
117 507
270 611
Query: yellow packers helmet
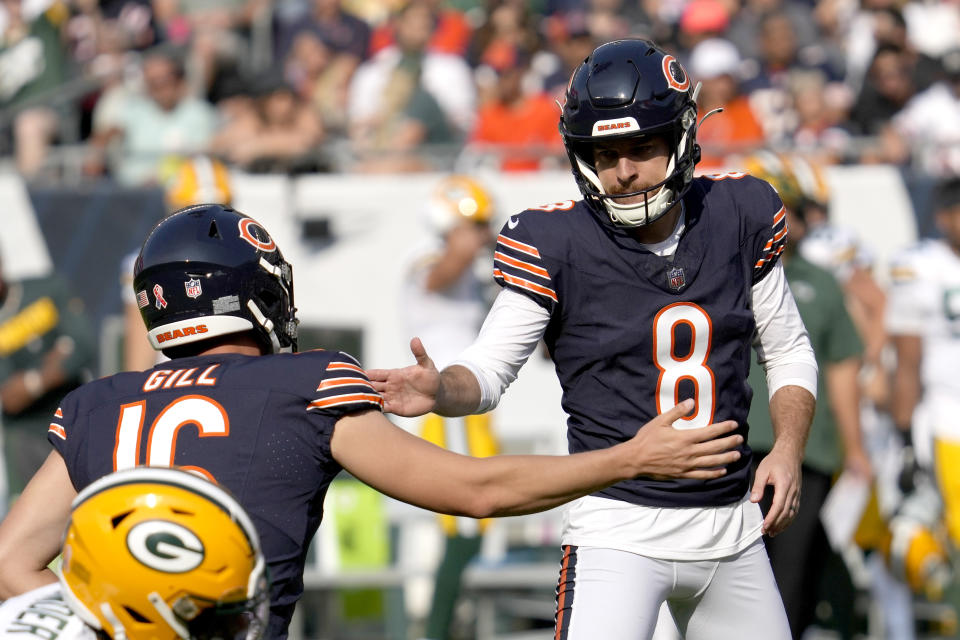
917 555
198 180
776 169
811 178
916 550
159 554
457 199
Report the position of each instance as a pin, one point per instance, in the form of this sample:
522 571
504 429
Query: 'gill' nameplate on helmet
615 126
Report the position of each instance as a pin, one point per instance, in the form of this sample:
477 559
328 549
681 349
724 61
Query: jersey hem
658 553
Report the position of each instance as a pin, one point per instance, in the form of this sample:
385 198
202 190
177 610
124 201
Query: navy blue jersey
632 333
258 425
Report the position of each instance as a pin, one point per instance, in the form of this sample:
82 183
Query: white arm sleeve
509 335
781 342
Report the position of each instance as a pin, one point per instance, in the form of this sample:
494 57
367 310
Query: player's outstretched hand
665 452
782 471
409 391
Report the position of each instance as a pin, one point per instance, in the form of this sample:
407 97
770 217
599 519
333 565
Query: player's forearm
411 469
446 273
30 534
459 392
20 390
863 289
906 379
517 485
791 411
14 581
844 393
448 269
906 395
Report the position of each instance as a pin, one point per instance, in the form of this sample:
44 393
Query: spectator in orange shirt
517 124
451 35
715 63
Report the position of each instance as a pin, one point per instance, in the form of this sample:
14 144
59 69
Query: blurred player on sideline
801 555
443 302
47 348
923 319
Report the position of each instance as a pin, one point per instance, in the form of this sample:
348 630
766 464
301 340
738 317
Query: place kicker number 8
203 412
691 366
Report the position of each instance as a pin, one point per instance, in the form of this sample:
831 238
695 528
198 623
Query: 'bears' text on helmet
160 554
630 88
208 271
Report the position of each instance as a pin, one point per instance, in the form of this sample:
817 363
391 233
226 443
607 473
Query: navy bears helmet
208 271
630 88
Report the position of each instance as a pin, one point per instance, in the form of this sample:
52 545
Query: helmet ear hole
136 615
268 299
117 519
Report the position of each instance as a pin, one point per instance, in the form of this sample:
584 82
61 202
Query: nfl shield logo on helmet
193 288
676 278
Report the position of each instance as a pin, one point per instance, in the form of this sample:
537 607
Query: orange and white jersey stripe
774 245
517 264
344 384
56 426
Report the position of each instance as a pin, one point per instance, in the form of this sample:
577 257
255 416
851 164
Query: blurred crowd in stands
121 88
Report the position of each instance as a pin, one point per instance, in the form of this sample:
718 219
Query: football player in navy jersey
651 289
236 404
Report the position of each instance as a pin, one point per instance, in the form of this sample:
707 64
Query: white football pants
605 593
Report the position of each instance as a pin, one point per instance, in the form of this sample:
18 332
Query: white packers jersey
42 614
446 321
924 300
836 249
